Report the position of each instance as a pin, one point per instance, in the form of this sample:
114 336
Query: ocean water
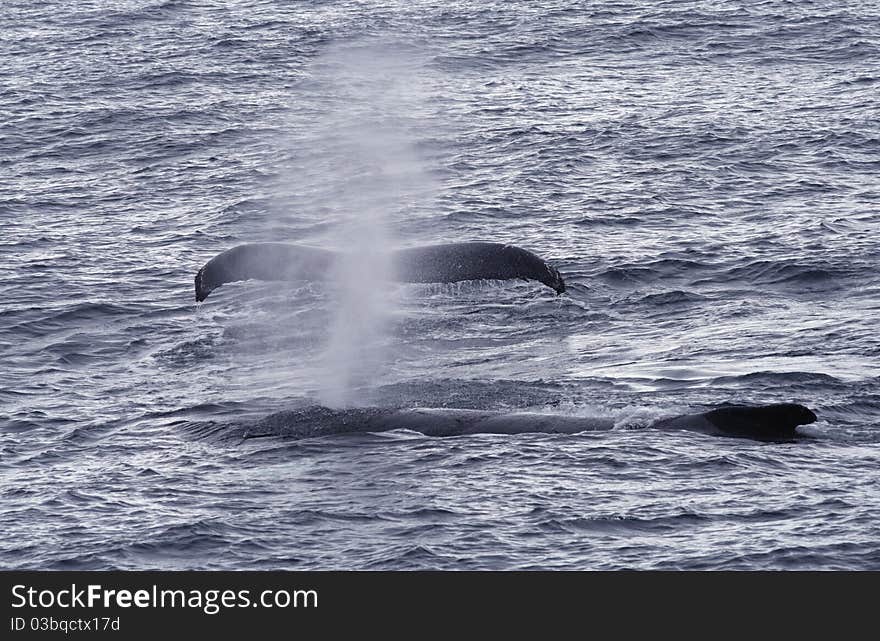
706 174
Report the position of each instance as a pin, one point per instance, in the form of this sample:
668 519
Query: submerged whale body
448 263
776 422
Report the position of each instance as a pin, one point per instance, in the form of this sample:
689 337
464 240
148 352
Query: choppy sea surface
706 174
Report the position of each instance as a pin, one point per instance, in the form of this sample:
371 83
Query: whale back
763 423
777 421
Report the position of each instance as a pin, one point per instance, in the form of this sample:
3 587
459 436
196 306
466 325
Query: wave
652 271
675 297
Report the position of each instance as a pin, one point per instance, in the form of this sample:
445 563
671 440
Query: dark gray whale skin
776 422
764 422
447 263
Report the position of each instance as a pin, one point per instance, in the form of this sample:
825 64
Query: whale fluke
431 264
263 261
456 262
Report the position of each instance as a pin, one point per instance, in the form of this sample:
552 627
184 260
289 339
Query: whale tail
454 262
202 289
448 263
263 261
766 422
